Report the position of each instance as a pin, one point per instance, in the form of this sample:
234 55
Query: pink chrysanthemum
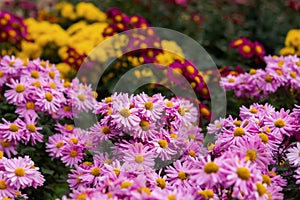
19 91
280 123
72 154
240 174
124 115
138 157
179 175
207 171
20 172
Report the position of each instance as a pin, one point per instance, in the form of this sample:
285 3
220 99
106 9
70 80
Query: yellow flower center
192 153
170 104
280 63
31 127
173 135
238 42
3 185
204 111
69 127
117 171
182 175
253 110
52 85
74 140
81 97
13 128
37 84
190 69
264 137
160 182
145 189
258 49
20 88
279 123
163 143
251 155
105 130
252 72
60 144
67 108
108 99
211 167
95 171
73 153
125 184
30 106
293 74
269 78
49 96
261 189
231 80
139 158
35 74
145 125
1 154
279 72
81 196
207 194
246 49
52 74
148 105
20 172
238 132
125 112
181 111
266 179
172 197
67 84
1 74
237 123
243 173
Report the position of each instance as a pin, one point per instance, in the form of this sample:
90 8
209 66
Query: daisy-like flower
246 49
145 131
254 151
293 155
13 132
149 107
102 132
19 91
163 148
179 175
124 115
207 171
54 145
72 154
49 100
280 123
82 97
138 157
240 174
19 172
93 176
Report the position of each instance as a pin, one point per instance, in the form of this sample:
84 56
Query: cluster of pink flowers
248 49
35 87
283 71
239 164
16 174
